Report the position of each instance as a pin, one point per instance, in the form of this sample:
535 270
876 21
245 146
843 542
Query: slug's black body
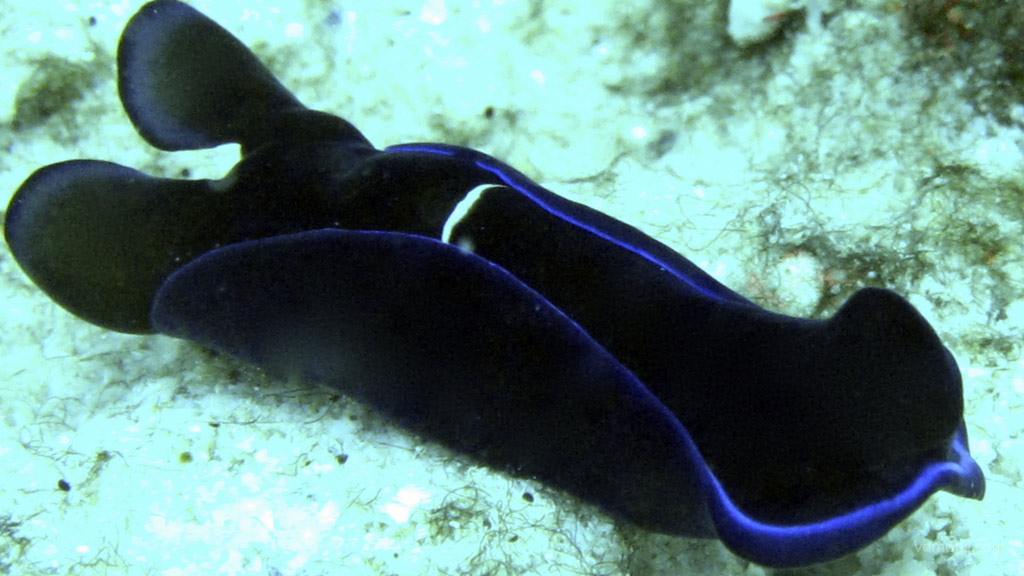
485 312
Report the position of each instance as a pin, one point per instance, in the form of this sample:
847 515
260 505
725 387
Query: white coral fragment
753 21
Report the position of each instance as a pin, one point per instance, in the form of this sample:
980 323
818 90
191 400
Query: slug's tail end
100 238
188 84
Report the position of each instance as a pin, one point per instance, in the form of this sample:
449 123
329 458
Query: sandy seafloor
848 152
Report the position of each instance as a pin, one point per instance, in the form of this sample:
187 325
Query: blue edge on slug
66 214
768 544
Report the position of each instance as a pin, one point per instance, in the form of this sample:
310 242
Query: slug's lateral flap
100 238
187 83
801 420
451 346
